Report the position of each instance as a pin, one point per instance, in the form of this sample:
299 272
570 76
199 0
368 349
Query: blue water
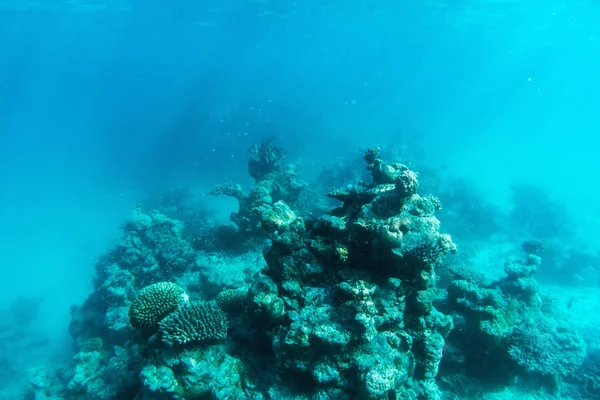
104 104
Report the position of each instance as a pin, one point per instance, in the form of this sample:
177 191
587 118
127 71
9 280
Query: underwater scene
299 200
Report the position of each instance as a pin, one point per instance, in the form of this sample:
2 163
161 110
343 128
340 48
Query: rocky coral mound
273 183
340 306
349 296
507 328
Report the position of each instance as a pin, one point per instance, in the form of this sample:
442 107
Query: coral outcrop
273 183
507 328
346 288
339 306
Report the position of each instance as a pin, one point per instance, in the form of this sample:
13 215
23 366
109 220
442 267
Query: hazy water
102 103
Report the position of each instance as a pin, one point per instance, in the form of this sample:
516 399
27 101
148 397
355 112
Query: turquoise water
106 105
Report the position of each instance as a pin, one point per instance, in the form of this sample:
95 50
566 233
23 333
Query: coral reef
146 277
273 183
345 305
346 288
507 328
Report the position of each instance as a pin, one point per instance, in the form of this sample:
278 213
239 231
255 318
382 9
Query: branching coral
232 300
194 322
154 303
548 348
265 158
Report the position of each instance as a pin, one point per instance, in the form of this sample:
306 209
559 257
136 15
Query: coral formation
547 347
231 300
345 305
265 158
355 283
273 183
506 327
154 303
194 322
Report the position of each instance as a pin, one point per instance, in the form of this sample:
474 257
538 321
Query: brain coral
194 322
154 303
